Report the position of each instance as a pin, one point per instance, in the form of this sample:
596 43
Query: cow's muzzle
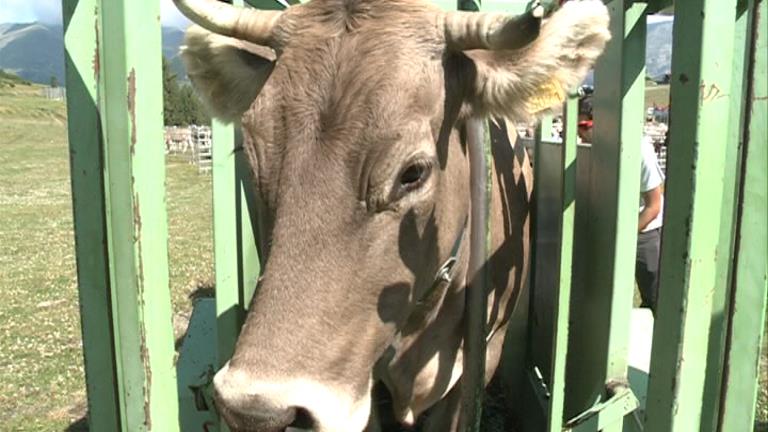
255 415
249 403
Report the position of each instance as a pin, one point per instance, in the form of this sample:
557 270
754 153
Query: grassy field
656 95
41 376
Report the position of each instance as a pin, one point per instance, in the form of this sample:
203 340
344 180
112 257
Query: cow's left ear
227 73
523 83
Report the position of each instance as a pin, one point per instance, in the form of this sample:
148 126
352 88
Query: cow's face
353 137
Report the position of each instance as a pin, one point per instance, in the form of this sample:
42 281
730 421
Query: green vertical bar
543 132
235 248
81 42
229 311
750 286
134 227
720 309
236 254
599 343
563 293
701 67
132 113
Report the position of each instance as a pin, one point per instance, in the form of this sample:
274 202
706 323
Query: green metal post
720 307
81 40
236 254
701 67
750 280
602 302
563 293
114 140
132 116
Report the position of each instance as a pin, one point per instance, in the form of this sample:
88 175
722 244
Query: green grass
41 373
656 95
8 79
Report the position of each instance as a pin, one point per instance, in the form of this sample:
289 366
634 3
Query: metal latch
621 401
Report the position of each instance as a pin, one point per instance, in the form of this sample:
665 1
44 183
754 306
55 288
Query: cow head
352 114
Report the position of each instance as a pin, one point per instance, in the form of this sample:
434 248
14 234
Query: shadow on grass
761 426
204 290
80 425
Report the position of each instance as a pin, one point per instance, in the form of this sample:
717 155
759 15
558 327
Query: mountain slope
35 51
658 49
32 51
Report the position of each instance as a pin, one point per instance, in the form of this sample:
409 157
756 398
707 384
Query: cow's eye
414 176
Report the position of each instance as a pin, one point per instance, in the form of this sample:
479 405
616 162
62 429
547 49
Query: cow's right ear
227 73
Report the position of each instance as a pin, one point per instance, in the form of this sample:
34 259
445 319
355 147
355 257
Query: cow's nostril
303 420
255 414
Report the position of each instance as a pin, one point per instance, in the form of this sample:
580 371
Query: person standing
651 209
649 225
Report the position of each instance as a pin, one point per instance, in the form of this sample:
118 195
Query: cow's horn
474 30
242 23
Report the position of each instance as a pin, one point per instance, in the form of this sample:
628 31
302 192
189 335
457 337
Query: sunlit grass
42 384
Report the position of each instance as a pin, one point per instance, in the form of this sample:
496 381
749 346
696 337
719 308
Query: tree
54 81
181 105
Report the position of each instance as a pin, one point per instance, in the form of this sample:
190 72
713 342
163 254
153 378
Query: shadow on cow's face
360 169
351 127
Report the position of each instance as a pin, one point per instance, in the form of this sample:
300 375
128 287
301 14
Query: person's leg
647 267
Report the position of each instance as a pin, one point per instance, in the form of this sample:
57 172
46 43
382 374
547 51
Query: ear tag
548 95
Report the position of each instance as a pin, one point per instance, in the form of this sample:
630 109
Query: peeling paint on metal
148 376
136 218
144 352
96 65
132 107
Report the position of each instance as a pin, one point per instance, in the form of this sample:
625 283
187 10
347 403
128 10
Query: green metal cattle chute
567 363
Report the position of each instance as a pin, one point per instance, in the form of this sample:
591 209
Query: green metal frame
749 292
720 304
575 364
693 208
597 351
115 125
561 315
235 231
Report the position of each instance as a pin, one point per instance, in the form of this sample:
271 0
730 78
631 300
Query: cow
353 115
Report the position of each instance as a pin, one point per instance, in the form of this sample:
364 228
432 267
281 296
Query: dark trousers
647 267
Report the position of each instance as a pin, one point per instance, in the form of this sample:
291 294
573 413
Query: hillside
21 102
35 51
658 49
32 51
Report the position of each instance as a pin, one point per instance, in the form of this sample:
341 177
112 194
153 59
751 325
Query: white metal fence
193 142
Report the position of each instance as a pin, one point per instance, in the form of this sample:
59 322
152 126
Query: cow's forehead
363 79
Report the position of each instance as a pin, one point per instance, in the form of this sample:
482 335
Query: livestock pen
571 351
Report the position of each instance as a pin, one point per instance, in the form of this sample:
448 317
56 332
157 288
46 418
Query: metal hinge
620 403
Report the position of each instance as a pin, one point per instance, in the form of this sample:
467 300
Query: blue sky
49 11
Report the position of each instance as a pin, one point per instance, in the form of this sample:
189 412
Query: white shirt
651 177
